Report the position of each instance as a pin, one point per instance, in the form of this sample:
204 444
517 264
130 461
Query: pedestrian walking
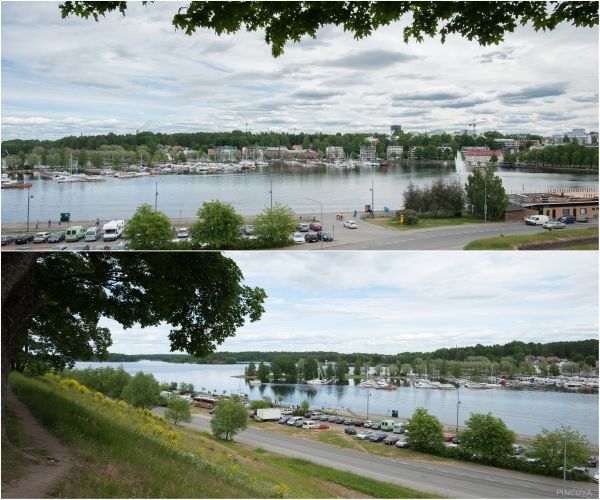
97 221
59 224
354 213
49 222
37 224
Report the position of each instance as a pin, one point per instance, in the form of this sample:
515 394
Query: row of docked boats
8 183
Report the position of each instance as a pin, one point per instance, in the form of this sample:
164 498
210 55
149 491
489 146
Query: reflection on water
524 410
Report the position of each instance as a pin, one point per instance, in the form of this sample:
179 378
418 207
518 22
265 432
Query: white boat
255 382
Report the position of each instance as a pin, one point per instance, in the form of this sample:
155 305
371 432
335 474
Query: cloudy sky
391 302
62 77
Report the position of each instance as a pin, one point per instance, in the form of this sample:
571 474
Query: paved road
458 481
372 237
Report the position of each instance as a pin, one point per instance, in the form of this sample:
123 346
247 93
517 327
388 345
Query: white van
398 429
536 220
293 420
113 230
308 424
74 233
93 233
387 425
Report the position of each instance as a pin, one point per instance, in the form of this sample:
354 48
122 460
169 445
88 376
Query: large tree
142 391
230 418
273 226
291 21
148 229
549 448
487 436
218 225
424 432
200 295
484 190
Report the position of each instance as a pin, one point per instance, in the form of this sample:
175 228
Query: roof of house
485 152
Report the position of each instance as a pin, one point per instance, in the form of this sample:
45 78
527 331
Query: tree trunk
18 302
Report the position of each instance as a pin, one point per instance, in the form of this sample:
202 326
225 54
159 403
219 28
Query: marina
249 191
524 409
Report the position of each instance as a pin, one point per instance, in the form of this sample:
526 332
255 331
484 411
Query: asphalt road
457 481
372 237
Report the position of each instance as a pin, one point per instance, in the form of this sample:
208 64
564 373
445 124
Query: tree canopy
230 418
178 410
142 391
485 22
424 431
218 225
273 226
484 190
148 229
549 446
200 295
487 436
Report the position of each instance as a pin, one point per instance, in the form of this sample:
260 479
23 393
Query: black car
57 237
339 420
299 423
311 238
283 420
81 247
7 239
325 235
359 423
377 438
23 238
376 426
456 440
592 462
308 414
567 219
351 431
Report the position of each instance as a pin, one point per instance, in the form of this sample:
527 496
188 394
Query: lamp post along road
29 196
321 219
156 197
457 406
564 459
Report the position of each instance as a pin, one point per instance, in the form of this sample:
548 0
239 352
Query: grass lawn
426 221
559 239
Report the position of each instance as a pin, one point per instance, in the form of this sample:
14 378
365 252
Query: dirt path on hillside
55 459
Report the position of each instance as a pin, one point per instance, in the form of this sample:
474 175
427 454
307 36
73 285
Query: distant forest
517 350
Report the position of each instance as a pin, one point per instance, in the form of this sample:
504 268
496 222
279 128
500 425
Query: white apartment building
508 145
334 153
395 149
368 153
431 133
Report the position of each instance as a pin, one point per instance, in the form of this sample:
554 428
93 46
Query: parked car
351 431
311 238
57 237
122 245
7 239
456 440
350 224
248 229
518 449
298 238
324 235
376 426
283 420
391 440
79 248
299 423
302 227
402 443
596 476
24 249
293 420
339 420
359 423
324 418
41 237
368 423
104 248
315 226
331 418
23 238
308 424
377 438
211 411
449 437
349 421
365 435
567 219
59 248
554 225
592 462
321 426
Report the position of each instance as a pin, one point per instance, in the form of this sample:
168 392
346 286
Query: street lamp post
372 199
457 403
564 459
156 197
29 196
484 200
321 219
271 191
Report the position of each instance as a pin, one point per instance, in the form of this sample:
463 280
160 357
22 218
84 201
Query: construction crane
476 123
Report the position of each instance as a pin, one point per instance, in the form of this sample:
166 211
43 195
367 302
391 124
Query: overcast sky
63 77
391 302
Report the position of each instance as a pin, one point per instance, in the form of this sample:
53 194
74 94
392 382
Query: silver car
365 435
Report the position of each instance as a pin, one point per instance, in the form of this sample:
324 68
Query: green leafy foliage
218 225
305 405
549 446
262 372
148 229
441 196
256 404
230 418
341 370
486 186
107 380
178 410
425 432
142 391
487 437
274 225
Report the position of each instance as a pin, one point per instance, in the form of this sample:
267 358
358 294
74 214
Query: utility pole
156 197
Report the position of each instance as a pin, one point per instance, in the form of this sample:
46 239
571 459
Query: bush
410 216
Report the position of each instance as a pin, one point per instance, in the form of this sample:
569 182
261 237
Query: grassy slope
133 453
562 239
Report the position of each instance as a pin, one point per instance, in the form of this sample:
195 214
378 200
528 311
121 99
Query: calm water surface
524 411
249 192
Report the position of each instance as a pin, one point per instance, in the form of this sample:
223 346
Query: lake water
249 191
524 411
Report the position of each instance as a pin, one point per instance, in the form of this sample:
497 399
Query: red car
315 226
448 437
321 426
391 440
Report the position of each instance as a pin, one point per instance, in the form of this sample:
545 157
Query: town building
395 149
334 153
554 203
475 156
368 153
